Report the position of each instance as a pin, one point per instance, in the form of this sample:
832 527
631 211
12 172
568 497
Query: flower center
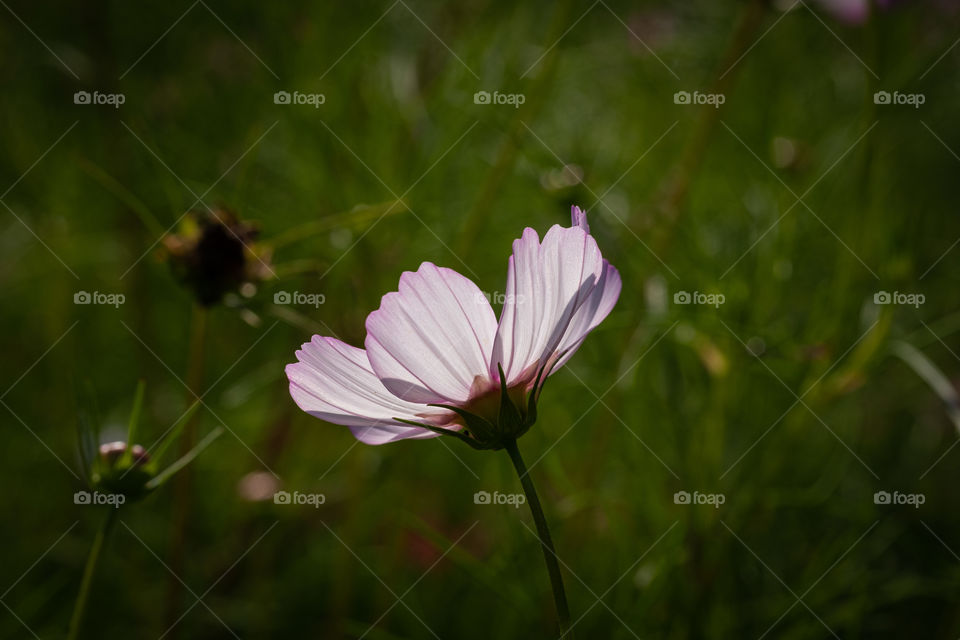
487 404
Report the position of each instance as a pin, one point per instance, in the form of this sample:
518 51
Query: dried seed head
215 253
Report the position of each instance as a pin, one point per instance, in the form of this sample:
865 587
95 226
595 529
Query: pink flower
848 11
437 362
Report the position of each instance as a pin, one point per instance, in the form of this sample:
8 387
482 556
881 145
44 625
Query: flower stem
79 608
182 483
546 542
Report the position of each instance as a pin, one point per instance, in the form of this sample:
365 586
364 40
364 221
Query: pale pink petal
578 218
333 381
431 341
591 313
557 291
519 317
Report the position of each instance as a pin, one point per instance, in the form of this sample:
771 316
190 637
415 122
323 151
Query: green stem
79 608
546 542
181 488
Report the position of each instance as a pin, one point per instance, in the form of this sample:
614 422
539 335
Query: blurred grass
661 398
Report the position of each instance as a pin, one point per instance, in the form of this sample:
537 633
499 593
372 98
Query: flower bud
121 470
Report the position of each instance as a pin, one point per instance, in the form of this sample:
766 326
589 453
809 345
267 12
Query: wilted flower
437 362
215 253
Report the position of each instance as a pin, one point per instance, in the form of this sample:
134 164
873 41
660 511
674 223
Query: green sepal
88 429
134 422
445 432
480 428
509 420
172 435
183 461
534 393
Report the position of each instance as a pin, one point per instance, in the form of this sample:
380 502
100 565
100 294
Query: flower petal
431 341
333 381
557 291
597 306
578 218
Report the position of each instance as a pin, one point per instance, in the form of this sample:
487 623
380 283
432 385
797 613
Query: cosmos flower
437 361
849 11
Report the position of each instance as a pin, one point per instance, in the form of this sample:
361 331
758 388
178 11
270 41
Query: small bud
110 452
122 471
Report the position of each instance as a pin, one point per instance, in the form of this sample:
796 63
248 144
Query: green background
786 399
